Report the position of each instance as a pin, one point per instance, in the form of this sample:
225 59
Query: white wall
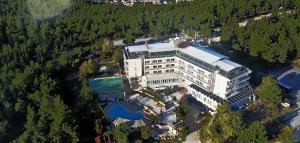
134 67
203 99
220 85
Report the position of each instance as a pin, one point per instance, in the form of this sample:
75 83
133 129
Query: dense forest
39 48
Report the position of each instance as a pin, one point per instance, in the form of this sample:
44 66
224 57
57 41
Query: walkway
192 138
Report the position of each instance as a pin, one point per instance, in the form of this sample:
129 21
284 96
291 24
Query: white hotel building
210 77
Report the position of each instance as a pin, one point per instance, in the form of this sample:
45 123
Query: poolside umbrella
119 121
138 123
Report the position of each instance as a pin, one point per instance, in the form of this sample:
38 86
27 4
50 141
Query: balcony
239 80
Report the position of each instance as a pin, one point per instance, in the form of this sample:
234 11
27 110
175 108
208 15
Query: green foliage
3 127
85 91
36 53
64 59
146 132
129 38
223 126
182 131
121 132
183 107
229 122
118 55
287 135
98 126
255 133
105 45
269 92
87 68
274 39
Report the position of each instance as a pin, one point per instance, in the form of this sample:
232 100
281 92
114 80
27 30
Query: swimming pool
120 110
107 84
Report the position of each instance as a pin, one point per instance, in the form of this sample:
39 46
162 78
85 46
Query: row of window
159 61
204 98
160 71
191 73
191 67
159 66
162 81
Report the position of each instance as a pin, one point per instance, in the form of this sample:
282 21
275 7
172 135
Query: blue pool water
121 111
107 84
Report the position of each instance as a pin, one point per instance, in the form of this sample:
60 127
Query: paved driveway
194 114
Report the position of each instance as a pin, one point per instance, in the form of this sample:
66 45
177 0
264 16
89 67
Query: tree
221 127
129 38
287 135
229 122
3 128
121 132
118 55
64 59
98 126
61 130
145 132
183 107
255 133
106 46
87 68
268 91
85 92
30 127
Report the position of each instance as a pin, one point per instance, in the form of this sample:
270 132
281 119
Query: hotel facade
210 77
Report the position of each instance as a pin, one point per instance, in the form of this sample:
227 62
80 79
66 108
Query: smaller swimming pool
119 110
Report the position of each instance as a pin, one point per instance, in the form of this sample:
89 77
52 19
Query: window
172 60
155 72
200 71
200 77
147 62
167 65
159 72
154 61
168 60
172 65
146 73
172 70
159 66
167 71
159 61
190 67
146 67
154 67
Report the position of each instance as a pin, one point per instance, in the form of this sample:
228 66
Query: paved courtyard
194 114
